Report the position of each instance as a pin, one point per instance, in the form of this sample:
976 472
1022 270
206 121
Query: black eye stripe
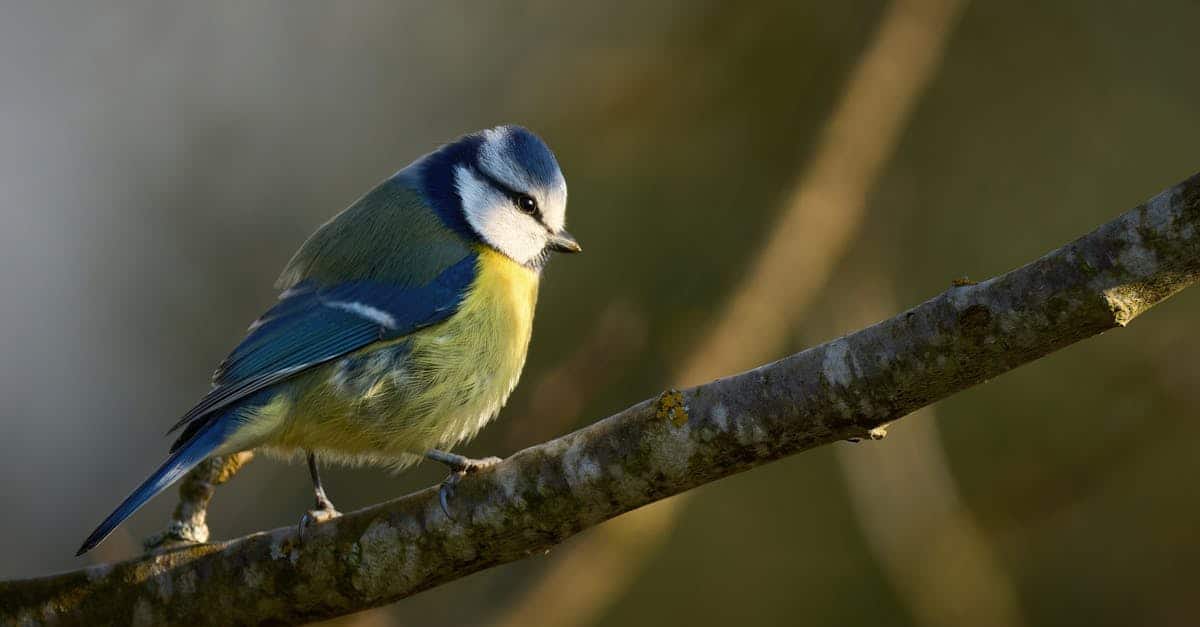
513 195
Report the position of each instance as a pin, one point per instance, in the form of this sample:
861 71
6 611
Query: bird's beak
564 242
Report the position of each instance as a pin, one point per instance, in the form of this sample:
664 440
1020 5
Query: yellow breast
466 367
431 389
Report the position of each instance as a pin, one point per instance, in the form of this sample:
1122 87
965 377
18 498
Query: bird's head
503 187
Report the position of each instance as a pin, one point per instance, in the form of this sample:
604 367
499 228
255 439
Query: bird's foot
460 467
323 512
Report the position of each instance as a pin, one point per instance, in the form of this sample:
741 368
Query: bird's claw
446 491
320 514
459 468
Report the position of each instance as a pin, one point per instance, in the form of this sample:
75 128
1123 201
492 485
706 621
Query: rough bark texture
844 389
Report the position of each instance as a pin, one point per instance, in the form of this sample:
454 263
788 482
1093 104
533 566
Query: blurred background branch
819 219
846 388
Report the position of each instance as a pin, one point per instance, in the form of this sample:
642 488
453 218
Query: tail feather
177 464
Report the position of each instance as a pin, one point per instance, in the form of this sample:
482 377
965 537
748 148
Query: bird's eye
526 204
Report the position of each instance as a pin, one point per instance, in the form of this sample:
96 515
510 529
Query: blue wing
313 324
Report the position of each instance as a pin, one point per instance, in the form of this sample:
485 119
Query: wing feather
312 325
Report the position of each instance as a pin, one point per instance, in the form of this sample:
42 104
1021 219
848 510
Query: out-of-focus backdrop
159 162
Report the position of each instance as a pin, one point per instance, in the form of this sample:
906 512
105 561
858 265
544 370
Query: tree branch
843 389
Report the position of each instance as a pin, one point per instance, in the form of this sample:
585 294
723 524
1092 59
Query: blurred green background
159 162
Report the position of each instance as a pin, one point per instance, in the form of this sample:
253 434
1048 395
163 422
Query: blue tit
402 323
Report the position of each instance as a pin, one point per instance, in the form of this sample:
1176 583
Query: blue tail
178 463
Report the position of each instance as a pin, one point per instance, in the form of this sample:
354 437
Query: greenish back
389 235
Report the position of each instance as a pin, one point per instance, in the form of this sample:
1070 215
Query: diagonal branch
817 223
842 389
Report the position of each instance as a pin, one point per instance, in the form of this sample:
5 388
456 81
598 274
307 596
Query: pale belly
390 403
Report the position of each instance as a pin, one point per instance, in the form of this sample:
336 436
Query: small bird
402 324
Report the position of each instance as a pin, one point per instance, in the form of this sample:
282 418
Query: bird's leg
460 467
322 501
324 509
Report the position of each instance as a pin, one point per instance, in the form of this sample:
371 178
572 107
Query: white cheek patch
493 216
